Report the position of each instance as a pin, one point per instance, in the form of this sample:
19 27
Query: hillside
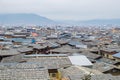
24 19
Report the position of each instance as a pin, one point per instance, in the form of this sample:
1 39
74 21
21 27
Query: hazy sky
64 9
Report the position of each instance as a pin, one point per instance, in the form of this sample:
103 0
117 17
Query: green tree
87 77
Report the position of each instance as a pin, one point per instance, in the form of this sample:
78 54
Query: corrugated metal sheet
117 55
80 60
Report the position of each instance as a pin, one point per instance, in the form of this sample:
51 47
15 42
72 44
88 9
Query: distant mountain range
28 19
21 19
93 22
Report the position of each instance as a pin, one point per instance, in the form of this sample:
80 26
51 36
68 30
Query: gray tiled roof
13 59
9 52
76 73
103 67
52 62
23 71
95 77
91 55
